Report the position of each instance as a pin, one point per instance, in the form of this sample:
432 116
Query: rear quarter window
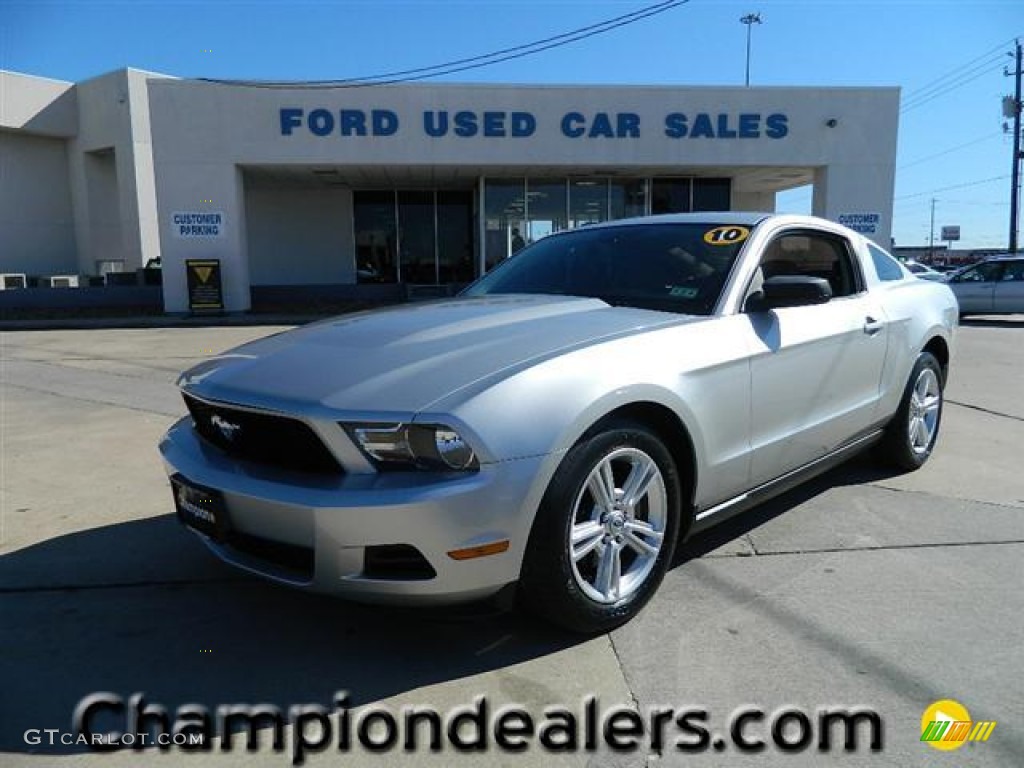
886 267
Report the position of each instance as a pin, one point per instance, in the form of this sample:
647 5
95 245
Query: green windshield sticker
726 235
683 292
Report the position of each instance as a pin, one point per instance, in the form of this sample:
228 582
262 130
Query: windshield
669 267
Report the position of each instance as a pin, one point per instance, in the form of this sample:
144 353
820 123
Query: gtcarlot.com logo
947 725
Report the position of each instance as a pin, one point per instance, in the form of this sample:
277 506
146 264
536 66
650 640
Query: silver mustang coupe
559 427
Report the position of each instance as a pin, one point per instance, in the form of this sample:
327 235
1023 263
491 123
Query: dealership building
421 185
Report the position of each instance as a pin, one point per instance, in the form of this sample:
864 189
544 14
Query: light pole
750 20
931 236
1014 107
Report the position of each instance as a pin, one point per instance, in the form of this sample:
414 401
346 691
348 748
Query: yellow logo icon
726 235
203 273
947 725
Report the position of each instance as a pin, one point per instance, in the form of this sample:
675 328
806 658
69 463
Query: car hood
404 358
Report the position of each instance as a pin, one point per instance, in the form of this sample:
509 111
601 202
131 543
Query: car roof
738 218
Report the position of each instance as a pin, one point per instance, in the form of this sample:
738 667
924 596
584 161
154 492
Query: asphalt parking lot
861 589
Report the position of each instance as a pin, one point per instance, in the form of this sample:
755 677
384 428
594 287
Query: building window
504 219
546 208
588 202
416 238
671 195
712 194
455 236
376 233
627 198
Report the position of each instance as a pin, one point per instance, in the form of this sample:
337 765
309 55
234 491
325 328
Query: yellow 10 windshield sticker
726 235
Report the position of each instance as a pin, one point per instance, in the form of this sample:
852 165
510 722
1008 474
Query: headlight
407 446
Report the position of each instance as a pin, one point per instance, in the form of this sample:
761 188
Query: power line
956 70
994 65
957 77
955 186
950 150
472 62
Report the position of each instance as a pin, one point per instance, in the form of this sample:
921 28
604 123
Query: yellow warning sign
204 285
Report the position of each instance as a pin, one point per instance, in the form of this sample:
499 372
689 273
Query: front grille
262 437
298 561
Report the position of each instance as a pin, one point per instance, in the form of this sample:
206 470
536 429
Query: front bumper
313 531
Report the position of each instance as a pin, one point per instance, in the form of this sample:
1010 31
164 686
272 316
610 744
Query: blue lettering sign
776 126
724 131
628 125
675 125
501 124
702 127
353 122
385 122
523 124
750 126
494 124
321 122
465 124
291 118
747 125
572 125
435 123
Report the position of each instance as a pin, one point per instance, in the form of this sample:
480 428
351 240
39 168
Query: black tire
558 586
900 448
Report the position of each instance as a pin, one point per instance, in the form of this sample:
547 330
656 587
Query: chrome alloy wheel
618 525
925 402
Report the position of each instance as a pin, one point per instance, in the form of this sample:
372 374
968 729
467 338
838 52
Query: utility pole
1015 108
931 236
755 18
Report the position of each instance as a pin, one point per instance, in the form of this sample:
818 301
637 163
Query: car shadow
857 471
216 638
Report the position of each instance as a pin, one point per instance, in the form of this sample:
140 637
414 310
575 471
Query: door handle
872 326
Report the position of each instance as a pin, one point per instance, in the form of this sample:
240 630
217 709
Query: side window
814 254
886 267
983 273
1014 270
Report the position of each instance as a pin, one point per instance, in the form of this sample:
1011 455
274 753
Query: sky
947 56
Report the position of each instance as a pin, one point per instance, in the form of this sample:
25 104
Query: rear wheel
910 436
605 532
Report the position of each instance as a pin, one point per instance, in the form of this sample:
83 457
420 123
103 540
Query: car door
975 288
1008 295
816 370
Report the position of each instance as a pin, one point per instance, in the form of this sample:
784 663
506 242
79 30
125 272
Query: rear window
886 266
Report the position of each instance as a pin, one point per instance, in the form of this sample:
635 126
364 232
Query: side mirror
789 291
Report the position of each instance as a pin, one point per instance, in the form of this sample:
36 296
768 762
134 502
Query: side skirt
706 518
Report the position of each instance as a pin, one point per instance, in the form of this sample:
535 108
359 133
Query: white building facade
290 185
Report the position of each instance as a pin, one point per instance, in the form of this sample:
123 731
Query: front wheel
605 532
910 436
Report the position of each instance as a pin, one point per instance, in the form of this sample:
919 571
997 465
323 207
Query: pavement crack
987 502
54 393
986 410
622 671
887 547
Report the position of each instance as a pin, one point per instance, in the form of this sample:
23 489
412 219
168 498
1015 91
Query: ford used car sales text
560 426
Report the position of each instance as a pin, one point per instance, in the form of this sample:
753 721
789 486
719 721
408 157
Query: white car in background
923 271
